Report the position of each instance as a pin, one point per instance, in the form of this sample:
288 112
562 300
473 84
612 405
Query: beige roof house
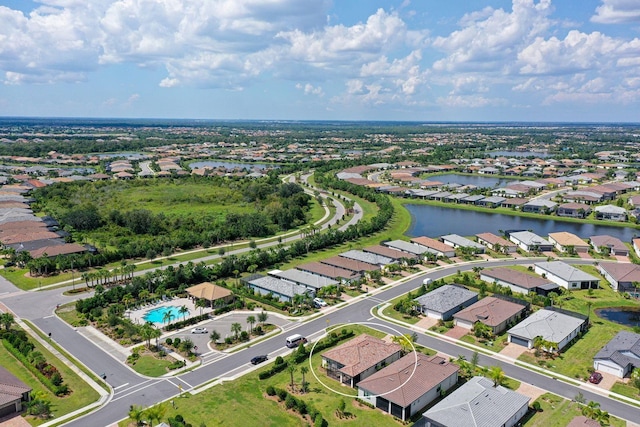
494 312
12 393
563 240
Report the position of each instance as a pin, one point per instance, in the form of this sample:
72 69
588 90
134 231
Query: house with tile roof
443 302
494 242
478 403
613 245
494 312
528 241
518 281
565 241
553 325
435 245
405 387
621 276
566 276
359 358
13 393
619 356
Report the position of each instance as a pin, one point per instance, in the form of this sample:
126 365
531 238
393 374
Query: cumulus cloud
309 89
617 11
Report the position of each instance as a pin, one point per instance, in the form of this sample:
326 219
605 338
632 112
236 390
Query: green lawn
626 390
82 394
558 412
151 366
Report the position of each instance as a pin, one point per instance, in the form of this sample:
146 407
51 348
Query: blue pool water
157 314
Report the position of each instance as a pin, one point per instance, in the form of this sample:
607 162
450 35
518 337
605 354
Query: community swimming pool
157 314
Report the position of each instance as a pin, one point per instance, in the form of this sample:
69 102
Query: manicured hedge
187 322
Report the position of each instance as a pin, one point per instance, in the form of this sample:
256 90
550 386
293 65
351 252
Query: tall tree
496 374
251 320
236 328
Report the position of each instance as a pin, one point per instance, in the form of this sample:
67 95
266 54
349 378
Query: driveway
513 350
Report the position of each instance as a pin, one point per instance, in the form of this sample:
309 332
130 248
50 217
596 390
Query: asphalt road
131 389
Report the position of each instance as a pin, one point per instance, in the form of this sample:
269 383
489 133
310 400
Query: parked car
319 302
259 359
595 377
199 330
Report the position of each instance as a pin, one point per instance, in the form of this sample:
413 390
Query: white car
199 331
319 302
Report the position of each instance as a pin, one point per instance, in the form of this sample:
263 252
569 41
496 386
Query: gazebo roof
208 291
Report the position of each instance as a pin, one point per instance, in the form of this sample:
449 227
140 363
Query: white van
427 282
295 340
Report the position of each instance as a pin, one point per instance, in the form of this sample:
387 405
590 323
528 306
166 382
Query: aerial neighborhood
394 283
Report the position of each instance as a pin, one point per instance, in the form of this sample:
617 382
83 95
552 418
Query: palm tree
147 332
184 310
136 413
251 320
201 303
215 336
304 370
155 413
236 328
127 299
589 410
262 317
7 320
85 277
168 316
497 375
291 368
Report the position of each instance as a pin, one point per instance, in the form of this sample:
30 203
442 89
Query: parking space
222 325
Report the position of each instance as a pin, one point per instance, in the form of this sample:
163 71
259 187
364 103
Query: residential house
611 213
541 206
13 393
496 243
530 242
568 242
329 271
573 210
311 281
582 196
406 386
360 267
609 245
514 203
435 245
491 202
283 290
494 312
478 403
620 356
359 358
623 277
410 248
457 241
566 276
552 325
518 281
393 254
367 257
443 302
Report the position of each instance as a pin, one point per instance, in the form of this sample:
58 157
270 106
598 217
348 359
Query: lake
228 165
622 316
434 221
483 181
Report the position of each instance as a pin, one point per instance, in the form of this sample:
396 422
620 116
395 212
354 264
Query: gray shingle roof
566 272
411 248
278 286
550 325
623 349
462 241
529 238
369 257
445 298
477 403
303 278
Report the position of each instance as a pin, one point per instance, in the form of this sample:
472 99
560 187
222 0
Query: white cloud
309 89
617 11
470 101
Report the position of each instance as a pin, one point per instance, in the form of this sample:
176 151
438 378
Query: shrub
318 421
176 342
168 341
282 394
279 360
271 391
536 406
290 401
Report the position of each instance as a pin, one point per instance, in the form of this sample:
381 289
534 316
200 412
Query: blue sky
425 60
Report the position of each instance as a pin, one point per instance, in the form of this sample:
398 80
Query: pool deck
137 316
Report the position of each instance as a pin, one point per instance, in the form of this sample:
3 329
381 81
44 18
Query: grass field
151 366
81 396
558 412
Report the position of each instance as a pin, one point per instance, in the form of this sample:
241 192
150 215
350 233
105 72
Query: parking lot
223 324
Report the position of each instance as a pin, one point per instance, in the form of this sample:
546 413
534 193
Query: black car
258 359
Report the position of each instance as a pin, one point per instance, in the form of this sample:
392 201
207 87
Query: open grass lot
151 366
558 412
81 396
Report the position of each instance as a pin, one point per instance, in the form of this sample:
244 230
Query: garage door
463 323
9 409
519 341
434 315
608 369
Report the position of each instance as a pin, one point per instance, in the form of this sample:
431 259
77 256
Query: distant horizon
427 122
